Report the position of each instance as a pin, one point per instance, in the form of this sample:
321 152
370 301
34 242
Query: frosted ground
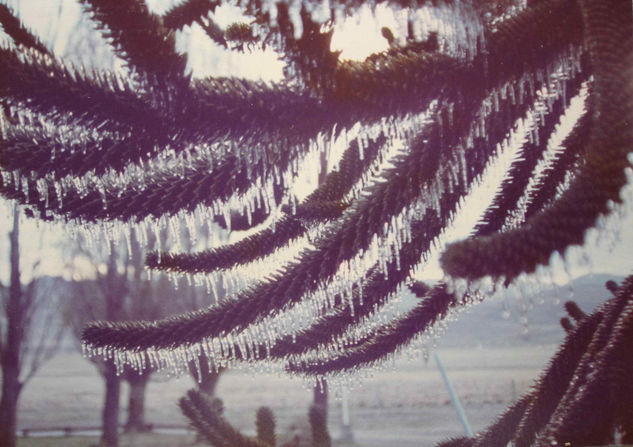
492 354
407 403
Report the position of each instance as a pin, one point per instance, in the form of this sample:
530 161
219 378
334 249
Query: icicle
174 230
58 193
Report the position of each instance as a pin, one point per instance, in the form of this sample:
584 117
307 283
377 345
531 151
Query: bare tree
104 295
120 289
29 333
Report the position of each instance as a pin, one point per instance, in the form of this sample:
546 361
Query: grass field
137 440
407 404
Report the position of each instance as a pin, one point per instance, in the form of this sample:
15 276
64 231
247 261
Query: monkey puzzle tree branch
20 35
497 434
221 108
380 285
376 289
155 142
377 285
519 174
546 187
188 12
597 184
551 386
392 337
315 266
402 185
289 227
387 339
212 425
524 421
600 379
265 425
161 193
140 38
134 130
35 80
301 276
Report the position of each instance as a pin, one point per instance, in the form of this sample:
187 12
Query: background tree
29 332
153 145
121 290
105 296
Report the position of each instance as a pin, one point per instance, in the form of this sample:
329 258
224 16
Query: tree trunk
206 380
114 292
320 396
11 387
136 404
110 420
15 310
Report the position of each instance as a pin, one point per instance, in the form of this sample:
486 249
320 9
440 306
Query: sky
357 37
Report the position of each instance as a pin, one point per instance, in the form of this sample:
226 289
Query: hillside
524 320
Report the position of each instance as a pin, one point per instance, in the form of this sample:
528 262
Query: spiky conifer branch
141 39
600 380
499 433
20 35
551 413
301 278
413 173
574 311
599 180
416 74
212 425
386 340
107 15
188 13
139 130
553 177
519 174
378 286
548 390
44 86
156 194
252 133
324 204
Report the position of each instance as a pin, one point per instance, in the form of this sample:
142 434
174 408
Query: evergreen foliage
206 418
583 396
209 423
153 147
